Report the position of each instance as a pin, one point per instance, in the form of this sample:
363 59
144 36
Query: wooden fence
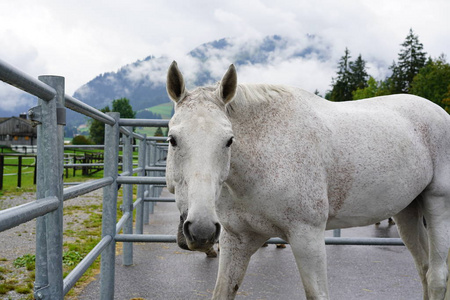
19 166
88 162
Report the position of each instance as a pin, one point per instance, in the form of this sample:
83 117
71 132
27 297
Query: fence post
141 187
154 173
109 218
19 171
127 206
49 233
35 170
148 161
161 153
2 163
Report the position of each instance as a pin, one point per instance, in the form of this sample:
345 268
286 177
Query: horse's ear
175 83
228 85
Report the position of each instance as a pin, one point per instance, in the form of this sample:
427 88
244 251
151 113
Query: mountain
143 82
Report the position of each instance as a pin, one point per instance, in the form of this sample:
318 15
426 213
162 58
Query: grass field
10 174
10 171
149 131
165 110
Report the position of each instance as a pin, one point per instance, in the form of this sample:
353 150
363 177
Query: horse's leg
308 246
235 253
413 233
436 208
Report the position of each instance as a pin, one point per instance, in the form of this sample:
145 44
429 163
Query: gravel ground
21 240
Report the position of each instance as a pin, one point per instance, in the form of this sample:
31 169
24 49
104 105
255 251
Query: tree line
412 73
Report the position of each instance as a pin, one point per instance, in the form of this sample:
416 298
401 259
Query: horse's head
198 161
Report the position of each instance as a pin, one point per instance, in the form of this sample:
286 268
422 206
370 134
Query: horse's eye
230 141
172 141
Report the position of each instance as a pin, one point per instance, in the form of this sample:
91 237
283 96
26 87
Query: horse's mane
251 96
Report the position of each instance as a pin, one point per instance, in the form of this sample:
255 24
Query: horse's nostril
186 231
216 237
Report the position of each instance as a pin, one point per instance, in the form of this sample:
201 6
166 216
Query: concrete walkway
164 271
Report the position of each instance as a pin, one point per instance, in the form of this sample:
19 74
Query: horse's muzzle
197 236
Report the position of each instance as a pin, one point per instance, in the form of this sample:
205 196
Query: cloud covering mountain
304 61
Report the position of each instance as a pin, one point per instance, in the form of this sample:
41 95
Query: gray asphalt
163 271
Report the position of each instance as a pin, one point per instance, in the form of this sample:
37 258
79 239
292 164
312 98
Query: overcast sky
80 39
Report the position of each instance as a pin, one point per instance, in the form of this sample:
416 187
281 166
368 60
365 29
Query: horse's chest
271 212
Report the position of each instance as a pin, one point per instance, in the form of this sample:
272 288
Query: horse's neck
271 106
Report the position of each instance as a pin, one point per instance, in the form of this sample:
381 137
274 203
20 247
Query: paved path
163 271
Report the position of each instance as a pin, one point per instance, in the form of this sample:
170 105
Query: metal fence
50 194
49 116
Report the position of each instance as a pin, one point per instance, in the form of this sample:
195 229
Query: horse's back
383 153
407 114
370 158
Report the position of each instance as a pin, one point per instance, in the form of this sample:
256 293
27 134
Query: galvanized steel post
49 235
127 206
153 161
148 188
162 156
109 217
141 187
157 189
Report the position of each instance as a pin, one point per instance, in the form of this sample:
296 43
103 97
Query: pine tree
358 74
341 90
351 75
410 60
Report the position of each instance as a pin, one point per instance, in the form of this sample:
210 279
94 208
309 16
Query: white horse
272 161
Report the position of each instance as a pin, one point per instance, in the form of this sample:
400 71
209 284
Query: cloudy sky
80 39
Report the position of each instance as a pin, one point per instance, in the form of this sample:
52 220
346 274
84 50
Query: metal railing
50 194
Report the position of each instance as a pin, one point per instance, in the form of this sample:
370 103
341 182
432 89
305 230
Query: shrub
81 140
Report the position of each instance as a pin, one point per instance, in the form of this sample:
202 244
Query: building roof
16 126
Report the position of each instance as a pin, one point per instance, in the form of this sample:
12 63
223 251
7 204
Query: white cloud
283 66
307 74
81 39
11 98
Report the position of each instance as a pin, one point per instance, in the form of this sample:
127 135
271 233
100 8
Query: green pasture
10 173
165 110
150 131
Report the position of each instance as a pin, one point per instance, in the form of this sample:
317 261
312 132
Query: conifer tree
410 60
358 74
341 90
351 75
